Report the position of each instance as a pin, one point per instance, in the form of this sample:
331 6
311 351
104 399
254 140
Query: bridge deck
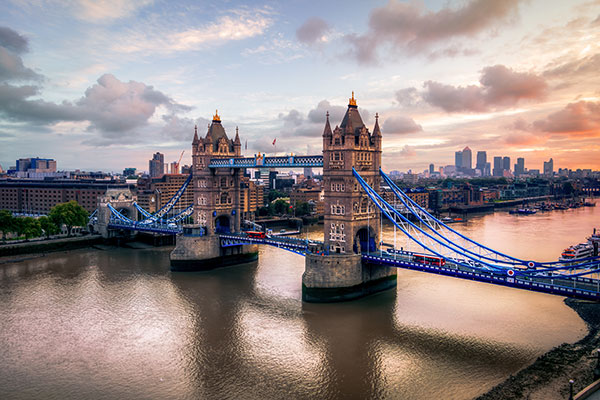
268 162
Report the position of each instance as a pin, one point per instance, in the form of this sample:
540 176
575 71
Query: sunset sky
102 85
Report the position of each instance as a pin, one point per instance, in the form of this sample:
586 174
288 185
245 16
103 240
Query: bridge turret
237 144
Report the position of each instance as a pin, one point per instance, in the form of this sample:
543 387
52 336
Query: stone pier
341 277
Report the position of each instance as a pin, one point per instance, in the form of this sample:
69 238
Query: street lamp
571 381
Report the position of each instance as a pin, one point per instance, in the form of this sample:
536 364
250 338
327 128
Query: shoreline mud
548 377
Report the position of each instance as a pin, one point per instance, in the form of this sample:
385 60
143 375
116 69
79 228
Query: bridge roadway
268 162
577 287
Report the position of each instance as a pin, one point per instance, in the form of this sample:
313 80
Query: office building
481 161
549 167
157 165
498 168
520 166
129 172
431 169
506 163
467 159
458 159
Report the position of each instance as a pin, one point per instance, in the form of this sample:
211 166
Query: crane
178 161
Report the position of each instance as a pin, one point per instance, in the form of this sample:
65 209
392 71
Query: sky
102 85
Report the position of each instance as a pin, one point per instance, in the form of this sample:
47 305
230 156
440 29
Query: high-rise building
308 173
520 166
498 168
174 167
458 160
431 169
157 165
488 170
467 159
549 167
481 160
129 172
506 163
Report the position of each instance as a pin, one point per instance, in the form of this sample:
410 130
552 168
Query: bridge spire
195 134
376 130
352 101
327 130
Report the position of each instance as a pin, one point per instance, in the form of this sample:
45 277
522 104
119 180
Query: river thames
117 323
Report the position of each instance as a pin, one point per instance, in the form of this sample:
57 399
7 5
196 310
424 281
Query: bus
256 234
429 260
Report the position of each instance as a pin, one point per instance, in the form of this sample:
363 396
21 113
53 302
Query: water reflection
117 324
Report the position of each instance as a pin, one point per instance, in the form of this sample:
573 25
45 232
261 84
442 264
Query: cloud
292 118
589 65
181 128
237 26
11 65
408 152
12 41
319 114
409 27
110 106
581 118
499 87
408 97
312 31
401 125
106 10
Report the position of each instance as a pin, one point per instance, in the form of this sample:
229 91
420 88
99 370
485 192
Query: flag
274 140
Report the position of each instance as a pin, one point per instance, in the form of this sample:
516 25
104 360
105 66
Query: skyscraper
157 165
481 161
497 171
520 166
431 169
549 167
506 163
467 158
458 160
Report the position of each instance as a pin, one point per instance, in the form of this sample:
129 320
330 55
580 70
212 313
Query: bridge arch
364 240
223 224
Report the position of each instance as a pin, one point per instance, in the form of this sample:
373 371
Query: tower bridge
351 261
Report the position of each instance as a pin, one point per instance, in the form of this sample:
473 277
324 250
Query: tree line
69 214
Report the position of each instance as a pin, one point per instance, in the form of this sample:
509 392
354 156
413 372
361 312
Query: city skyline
105 86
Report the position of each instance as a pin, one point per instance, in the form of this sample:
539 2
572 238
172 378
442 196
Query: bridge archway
364 240
222 224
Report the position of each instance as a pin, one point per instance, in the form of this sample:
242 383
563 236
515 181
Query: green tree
275 194
49 227
302 208
29 227
7 223
70 214
281 207
567 188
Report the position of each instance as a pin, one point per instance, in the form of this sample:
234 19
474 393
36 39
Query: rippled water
117 324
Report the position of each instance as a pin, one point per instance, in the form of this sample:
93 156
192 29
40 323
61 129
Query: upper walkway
268 162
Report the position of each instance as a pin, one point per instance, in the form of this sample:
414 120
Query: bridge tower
216 205
216 191
352 223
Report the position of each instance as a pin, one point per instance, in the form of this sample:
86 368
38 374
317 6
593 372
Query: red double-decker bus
429 260
256 234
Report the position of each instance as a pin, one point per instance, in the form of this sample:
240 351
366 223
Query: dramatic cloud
500 87
182 129
581 118
319 114
578 68
11 65
400 125
408 152
312 31
408 27
111 106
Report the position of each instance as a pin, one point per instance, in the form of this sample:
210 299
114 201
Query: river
118 324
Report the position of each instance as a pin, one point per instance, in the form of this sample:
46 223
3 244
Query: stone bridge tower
216 191
216 205
351 220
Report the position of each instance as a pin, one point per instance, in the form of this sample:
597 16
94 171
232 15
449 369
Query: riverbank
51 245
548 377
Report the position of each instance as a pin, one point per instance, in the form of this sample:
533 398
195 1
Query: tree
7 223
70 214
29 227
302 208
49 227
281 206
275 194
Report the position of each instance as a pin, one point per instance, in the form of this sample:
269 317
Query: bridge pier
202 253
342 277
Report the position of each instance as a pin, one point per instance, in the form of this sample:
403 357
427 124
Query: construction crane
178 161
